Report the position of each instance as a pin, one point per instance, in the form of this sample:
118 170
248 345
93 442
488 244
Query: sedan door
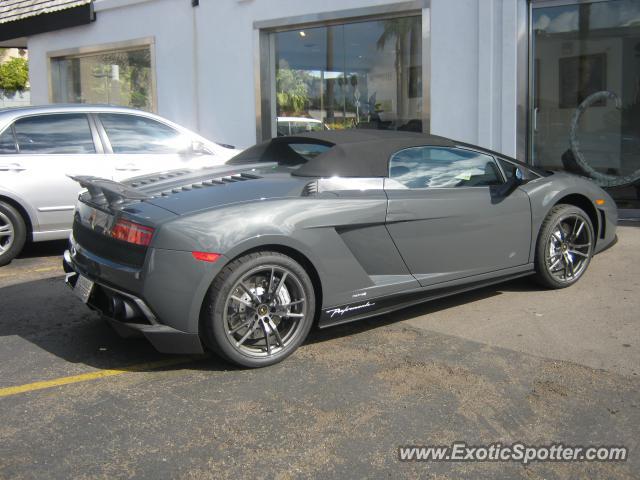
38 154
446 218
140 145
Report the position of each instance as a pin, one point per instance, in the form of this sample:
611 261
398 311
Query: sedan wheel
262 309
13 233
6 233
565 246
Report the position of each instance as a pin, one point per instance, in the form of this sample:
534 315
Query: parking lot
504 364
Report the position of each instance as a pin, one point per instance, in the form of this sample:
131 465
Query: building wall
169 21
209 84
474 54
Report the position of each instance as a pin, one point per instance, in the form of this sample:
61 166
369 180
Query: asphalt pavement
509 363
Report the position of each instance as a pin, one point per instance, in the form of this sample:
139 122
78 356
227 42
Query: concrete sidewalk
595 323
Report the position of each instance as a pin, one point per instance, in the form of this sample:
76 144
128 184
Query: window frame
500 172
88 51
97 143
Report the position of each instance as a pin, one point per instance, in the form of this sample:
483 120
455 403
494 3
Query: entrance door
585 93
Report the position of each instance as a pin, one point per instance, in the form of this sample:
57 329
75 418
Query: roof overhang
46 21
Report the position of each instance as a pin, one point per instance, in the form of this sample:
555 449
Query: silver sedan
41 146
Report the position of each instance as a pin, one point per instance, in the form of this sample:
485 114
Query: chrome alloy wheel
7 234
264 310
569 248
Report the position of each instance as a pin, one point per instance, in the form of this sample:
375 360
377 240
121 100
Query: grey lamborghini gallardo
328 227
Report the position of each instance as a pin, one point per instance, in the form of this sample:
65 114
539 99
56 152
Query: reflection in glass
7 141
433 167
116 78
135 134
365 75
54 134
586 93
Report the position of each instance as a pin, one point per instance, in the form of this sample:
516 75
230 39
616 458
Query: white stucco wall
474 72
208 84
168 21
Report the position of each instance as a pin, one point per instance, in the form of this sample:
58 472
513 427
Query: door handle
11 167
129 167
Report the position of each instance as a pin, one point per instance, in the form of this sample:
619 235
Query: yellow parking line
35 270
84 377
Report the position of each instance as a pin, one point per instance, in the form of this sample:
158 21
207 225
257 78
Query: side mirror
197 148
517 179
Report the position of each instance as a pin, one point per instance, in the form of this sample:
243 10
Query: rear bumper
128 314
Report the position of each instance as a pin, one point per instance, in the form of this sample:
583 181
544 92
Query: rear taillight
132 232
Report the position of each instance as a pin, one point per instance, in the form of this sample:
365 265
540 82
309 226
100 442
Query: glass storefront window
355 75
119 77
586 93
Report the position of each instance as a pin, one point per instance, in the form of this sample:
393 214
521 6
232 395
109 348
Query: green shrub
14 75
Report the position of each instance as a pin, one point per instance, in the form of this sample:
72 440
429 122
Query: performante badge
341 311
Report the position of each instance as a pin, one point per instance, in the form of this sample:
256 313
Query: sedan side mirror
195 148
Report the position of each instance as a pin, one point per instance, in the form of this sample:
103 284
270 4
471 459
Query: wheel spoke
248 291
291 304
281 284
5 230
570 265
243 302
243 324
579 253
583 245
246 335
292 315
555 264
276 333
272 279
266 336
577 233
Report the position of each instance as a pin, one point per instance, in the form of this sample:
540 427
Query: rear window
136 134
281 152
308 150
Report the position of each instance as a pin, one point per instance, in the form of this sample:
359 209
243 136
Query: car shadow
519 285
53 248
53 321
47 315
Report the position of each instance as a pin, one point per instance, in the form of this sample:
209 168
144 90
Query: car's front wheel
259 309
13 233
565 246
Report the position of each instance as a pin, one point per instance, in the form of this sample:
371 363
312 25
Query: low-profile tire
564 248
259 309
13 233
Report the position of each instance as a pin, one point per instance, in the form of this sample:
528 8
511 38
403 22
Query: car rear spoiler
103 190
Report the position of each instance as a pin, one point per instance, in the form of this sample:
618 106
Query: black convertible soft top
352 153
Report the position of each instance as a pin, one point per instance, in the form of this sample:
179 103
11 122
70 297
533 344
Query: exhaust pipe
122 310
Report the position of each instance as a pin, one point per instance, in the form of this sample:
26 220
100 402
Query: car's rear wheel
260 309
565 246
13 233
